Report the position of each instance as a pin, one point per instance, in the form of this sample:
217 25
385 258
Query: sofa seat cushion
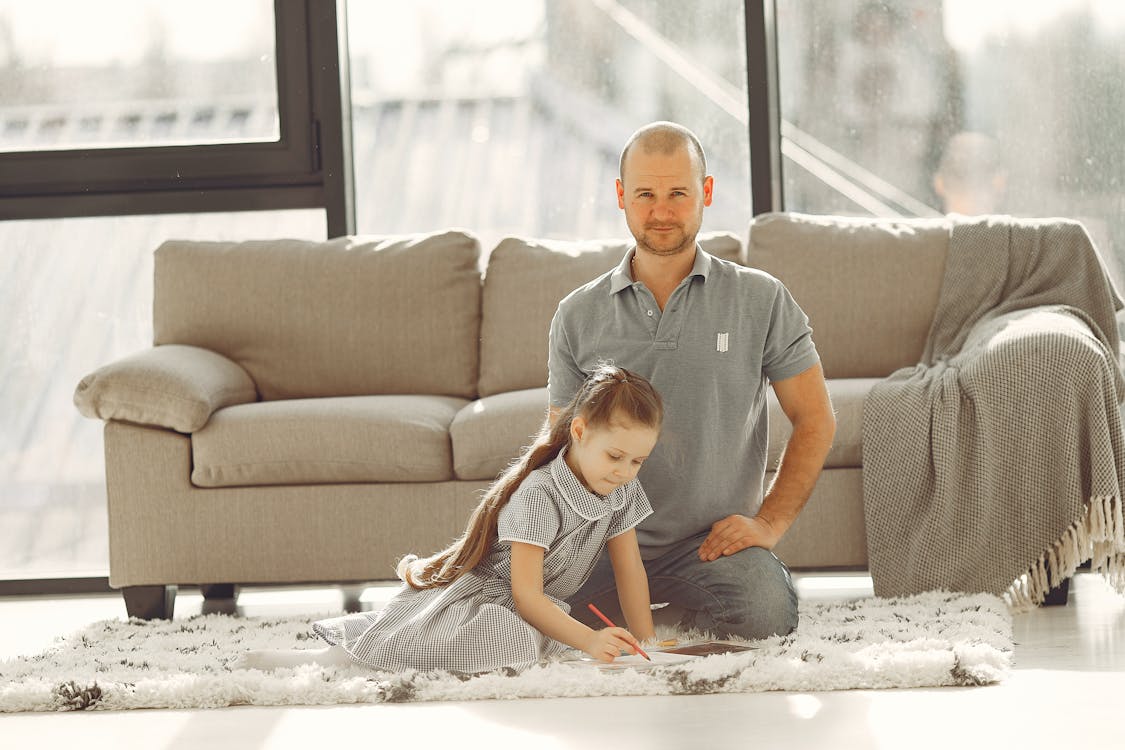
489 433
327 441
848 396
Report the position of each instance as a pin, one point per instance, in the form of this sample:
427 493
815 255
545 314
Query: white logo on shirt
721 343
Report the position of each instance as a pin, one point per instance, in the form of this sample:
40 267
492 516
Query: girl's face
607 456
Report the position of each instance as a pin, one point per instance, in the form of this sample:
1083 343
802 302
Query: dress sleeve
530 516
636 509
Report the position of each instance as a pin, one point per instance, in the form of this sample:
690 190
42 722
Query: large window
149 106
508 116
122 124
136 73
917 107
76 294
499 116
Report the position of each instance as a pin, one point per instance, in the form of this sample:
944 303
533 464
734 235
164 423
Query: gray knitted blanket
996 464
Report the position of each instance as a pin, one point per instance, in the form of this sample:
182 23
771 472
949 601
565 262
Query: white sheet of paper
636 661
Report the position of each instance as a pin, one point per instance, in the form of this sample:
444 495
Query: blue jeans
748 595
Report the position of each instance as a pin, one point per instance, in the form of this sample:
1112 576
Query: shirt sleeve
530 516
636 509
564 377
789 346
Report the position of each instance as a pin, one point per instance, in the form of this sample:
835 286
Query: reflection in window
916 108
77 74
76 294
508 116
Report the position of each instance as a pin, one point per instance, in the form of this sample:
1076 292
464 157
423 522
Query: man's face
663 199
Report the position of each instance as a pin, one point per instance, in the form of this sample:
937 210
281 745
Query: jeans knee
761 603
762 620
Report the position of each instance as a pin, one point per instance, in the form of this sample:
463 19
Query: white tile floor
1067 690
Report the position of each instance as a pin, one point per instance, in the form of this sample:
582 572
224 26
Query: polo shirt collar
583 502
622 277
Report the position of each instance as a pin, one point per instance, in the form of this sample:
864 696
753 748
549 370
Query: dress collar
585 503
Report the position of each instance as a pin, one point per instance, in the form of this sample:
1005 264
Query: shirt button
650 313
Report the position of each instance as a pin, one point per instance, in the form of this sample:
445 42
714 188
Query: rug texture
930 639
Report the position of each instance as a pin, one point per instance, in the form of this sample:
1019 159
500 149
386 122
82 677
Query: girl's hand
608 643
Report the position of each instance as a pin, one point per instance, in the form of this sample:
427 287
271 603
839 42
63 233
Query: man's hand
735 533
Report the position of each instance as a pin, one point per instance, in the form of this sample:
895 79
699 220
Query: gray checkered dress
471 625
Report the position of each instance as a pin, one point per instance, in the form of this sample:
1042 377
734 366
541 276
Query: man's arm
804 399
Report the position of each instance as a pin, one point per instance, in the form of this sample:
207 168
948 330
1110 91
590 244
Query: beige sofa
309 412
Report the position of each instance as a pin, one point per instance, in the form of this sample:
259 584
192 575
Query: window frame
302 169
764 103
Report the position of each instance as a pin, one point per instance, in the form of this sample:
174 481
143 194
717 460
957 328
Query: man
971 179
709 334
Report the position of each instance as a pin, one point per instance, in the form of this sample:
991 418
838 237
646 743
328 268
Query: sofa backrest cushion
350 316
523 285
869 286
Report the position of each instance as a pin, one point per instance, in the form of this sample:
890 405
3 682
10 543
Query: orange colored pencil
609 622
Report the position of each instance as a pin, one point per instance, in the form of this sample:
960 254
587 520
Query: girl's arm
632 584
545 616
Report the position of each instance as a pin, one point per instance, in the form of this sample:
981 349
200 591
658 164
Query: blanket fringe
1099 536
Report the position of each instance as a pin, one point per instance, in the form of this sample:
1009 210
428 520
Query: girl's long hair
609 394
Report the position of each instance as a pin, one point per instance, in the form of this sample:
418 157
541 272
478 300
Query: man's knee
763 602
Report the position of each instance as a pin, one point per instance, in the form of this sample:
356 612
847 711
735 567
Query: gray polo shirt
725 333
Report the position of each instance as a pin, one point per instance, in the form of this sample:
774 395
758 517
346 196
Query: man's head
971 179
663 187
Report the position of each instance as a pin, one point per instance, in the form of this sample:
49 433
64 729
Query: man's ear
708 190
620 194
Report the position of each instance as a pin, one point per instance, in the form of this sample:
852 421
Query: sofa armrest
174 386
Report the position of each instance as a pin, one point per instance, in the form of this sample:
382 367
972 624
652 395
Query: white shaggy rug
930 639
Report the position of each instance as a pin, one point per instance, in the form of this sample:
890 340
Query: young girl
496 597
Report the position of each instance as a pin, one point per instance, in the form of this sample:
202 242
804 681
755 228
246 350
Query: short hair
664 137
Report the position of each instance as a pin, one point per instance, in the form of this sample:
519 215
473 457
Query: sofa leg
352 593
217 590
150 602
1058 595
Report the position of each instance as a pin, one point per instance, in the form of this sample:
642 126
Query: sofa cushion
489 433
523 285
351 316
172 386
848 396
326 441
869 286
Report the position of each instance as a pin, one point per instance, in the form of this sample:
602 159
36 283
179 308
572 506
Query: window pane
919 107
76 294
116 73
507 117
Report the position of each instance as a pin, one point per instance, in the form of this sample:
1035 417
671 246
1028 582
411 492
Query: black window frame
307 167
763 101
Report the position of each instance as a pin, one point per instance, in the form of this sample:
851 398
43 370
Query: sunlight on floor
803 705
832 586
